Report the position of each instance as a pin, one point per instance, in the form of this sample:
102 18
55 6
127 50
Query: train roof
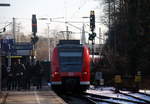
69 42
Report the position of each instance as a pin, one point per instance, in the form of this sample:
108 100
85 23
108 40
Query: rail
102 98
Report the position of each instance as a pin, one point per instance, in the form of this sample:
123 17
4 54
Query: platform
33 97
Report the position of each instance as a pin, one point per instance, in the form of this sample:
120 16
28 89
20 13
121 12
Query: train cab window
70 61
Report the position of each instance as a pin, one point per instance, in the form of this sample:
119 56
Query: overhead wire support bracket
4 4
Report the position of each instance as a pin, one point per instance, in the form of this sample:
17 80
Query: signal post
93 34
34 39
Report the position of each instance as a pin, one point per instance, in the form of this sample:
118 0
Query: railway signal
34 29
92 25
34 25
92 20
34 39
92 36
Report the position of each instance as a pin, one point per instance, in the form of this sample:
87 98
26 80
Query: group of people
21 76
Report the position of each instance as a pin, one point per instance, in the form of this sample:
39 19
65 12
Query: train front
71 66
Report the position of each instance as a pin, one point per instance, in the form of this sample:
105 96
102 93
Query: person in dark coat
28 76
18 69
9 78
4 77
38 75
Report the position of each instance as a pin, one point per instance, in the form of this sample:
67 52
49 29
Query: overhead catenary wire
79 8
6 26
6 3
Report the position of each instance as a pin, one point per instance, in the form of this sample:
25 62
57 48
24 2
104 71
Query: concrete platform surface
33 97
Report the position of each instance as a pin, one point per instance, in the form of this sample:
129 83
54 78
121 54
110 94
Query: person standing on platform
4 77
38 75
28 76
9 78
19 70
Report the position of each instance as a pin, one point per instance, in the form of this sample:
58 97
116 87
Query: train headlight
56 73
85 73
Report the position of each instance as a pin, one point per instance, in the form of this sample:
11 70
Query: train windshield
70 59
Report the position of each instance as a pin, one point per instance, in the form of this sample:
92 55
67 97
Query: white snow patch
140 96
145 91
107 91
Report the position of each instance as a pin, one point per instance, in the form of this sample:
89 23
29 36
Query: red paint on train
70 67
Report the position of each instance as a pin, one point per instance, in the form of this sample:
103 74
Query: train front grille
70 82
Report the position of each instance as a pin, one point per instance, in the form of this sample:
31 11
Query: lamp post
49 49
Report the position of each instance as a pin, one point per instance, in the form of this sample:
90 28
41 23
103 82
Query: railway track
110 97
144 93
134 95
72 98
111 100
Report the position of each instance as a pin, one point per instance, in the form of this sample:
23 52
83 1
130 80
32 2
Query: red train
70 66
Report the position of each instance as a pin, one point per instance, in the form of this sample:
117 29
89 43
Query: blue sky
70 9
51 8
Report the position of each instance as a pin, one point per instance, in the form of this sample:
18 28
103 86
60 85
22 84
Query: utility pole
9 56
83 38
100 42
49 49
14 28
14 35
18 37
67 32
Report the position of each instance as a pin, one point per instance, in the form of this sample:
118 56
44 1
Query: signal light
34 24
92 20
85 73
56 73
